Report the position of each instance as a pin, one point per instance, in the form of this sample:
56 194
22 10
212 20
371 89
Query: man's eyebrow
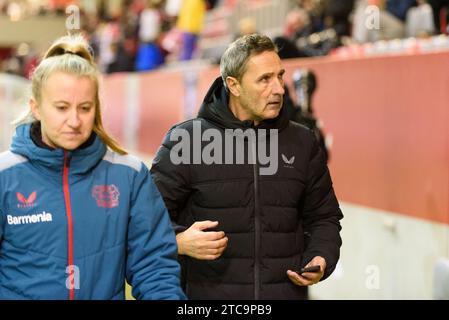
269 74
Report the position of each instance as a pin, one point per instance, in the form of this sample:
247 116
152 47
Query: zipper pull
67 158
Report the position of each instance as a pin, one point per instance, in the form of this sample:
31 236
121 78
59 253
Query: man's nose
278 87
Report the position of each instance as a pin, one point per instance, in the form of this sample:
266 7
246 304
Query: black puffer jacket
265 217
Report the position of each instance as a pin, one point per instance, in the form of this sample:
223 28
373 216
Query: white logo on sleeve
288 162
32 218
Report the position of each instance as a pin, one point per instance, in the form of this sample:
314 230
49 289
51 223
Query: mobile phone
309 269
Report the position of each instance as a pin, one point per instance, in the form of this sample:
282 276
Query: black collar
36 136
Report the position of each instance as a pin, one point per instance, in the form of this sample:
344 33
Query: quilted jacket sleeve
321 213
172 180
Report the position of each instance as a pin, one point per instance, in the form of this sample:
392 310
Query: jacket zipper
256 226
68 207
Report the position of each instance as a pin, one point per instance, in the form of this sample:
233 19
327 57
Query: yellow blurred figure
191 16
128 294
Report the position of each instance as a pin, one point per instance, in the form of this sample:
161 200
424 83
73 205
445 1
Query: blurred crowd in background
142 35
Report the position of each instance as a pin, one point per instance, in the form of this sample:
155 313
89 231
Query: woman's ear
233 86
34 109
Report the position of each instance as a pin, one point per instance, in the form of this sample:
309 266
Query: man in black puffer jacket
243 185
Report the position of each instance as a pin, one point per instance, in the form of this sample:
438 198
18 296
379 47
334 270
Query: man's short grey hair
235 59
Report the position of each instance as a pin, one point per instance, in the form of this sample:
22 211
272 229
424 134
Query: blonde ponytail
75 44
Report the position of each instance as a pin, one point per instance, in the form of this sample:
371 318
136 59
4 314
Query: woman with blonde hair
78 215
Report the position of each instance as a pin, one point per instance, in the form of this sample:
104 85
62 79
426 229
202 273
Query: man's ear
34 109
233 86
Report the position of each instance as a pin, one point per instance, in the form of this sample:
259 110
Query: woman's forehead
62 85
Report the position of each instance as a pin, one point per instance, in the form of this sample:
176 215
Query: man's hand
200 244
309 278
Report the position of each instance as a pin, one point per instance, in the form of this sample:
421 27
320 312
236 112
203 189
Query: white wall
13 101
385 256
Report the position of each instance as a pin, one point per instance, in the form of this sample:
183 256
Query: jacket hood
215 109
81 159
